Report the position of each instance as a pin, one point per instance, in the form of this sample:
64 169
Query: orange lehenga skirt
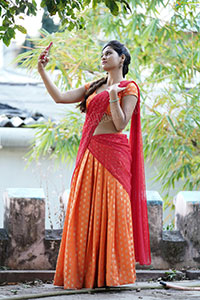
97 247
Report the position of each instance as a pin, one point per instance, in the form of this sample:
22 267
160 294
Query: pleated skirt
97 246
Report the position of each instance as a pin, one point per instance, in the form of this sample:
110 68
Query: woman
106 225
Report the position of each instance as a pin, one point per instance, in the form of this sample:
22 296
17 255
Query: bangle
115 100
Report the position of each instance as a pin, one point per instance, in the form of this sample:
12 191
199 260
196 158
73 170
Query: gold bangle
115 100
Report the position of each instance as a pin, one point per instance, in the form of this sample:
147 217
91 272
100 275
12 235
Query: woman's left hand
115 89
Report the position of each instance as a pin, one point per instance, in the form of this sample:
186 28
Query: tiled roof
19 90
14 117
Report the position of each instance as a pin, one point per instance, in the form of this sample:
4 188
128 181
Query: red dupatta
95 111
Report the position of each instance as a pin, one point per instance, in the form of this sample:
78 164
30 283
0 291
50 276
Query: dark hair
120 49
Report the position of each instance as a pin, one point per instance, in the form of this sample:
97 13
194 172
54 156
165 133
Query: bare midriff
106 125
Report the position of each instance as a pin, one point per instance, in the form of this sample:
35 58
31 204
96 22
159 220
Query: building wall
14 174
54 180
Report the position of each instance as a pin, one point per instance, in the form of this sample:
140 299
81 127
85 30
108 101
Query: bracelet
115 100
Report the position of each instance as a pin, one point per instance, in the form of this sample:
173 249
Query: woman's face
110 59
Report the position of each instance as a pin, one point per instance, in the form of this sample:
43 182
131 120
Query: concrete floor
142 290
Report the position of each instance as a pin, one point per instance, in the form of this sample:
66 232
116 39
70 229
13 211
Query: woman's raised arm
71 96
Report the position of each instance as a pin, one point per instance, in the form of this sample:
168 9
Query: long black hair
120 49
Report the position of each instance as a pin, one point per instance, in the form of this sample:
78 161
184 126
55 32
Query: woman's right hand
43 60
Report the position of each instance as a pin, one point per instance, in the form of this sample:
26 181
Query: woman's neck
112 79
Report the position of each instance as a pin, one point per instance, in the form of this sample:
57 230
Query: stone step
15 276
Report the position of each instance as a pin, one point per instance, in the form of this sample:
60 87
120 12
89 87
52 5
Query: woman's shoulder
88 84
131 89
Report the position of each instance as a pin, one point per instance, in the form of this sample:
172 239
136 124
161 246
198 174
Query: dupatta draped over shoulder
135 187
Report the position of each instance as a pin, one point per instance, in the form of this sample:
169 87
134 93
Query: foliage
8 11
170 275
166 65
169 227
58 140
68 12
48 23
173 136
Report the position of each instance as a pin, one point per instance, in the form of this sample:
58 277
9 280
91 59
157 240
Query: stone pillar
187 221
3 246
155 216
24 222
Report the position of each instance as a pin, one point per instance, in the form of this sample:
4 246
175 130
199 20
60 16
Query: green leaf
9 34
94 4
4 3
6 40
43 3
21 29
126 5
112 5
171 123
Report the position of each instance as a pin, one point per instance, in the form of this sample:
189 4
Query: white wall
14 175
44 175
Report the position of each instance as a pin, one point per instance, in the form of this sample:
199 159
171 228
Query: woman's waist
112 149
106 127
110 139
108 135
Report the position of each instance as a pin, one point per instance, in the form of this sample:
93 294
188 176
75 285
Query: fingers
43 61
43 54
43 58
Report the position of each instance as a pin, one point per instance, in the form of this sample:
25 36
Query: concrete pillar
155 216
3 246
24 222
187 221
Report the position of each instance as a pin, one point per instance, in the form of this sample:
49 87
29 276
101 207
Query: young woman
106 225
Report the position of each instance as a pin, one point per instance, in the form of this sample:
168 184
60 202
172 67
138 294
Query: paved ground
142 290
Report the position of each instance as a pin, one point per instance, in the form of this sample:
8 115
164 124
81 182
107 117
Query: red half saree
106 224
